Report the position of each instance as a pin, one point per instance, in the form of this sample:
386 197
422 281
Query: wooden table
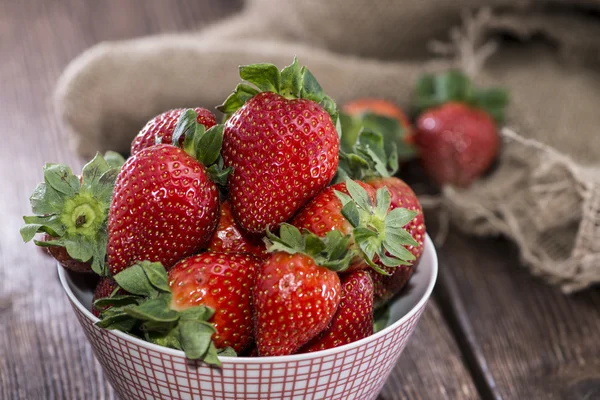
491 331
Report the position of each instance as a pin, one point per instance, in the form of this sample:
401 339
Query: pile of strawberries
269 234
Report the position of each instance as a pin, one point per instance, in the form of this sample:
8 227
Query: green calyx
204 145
435 90
332 251
368 158
146 313
292 82
393 133
74 211
379 234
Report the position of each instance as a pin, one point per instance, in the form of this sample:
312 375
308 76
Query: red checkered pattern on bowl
353 372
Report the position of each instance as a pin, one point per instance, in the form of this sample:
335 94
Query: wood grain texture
522 338
43 352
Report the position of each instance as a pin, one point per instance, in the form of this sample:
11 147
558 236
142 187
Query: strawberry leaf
197 313
237 99
265 77
61 178
291 236
311 89
195 338
388 261
331 252
350 212
359 195
209 145
156 310
134 280
157 276
170 338
186 124
114 159
227 352
118 301
46 200
291 80
79 248
399 217
397 250
384 199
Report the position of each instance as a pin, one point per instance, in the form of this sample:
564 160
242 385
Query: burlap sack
545 195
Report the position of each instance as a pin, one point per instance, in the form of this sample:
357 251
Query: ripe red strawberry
374 229
386 286
105 288
223 282
376 168
282 144
456 131
175 310
71 211
165 206
230 238
296 295
354 317
457 143
162 127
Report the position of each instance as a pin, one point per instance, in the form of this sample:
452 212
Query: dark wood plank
522 338
44 354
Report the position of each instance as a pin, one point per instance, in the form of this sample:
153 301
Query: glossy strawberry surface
283 153
294 301
230 238
457 143
164 208
354 317
163 125
223 282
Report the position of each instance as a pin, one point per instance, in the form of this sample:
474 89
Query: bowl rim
269 359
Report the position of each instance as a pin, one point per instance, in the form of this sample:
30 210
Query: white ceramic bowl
141 370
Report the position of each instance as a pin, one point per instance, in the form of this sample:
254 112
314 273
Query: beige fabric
544 194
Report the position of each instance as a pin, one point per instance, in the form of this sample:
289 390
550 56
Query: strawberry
165 205
297 289
354 317
456 130
281 141
224 283
160 128
354 207
230 238
204 302
72 213
370 162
